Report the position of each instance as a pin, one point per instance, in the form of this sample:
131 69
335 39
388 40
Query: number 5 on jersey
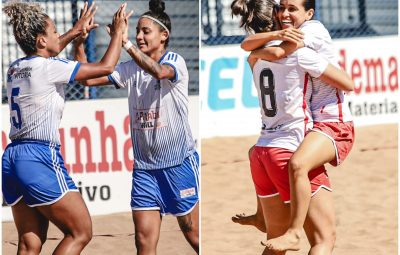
16 120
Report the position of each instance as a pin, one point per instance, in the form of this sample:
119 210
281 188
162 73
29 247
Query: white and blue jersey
35 91
32 165
159 113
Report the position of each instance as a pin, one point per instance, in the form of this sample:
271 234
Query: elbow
349 86
84 82
108 69
276 55
245 46
159 76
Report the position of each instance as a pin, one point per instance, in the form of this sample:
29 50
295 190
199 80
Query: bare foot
290 241
251 220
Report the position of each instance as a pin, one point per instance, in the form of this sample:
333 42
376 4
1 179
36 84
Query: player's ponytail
256 15
28 21
239 8
159 16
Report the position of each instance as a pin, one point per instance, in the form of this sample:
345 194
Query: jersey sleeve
123 75
62 70
315 34
177 63
311 62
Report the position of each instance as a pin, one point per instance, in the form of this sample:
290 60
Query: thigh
69 214
190 221
147 223
276 216
342 136
30 223
314 151
320 223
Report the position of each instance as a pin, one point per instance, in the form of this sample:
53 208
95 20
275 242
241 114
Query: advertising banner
97 150
229 103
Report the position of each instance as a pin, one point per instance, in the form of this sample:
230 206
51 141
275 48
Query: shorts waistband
192 153
33 141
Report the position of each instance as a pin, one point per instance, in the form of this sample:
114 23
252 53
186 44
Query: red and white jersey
284 91
328 104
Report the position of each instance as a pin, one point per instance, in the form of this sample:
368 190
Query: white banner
97 151
229 104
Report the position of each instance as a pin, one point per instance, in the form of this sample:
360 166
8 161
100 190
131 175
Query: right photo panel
299 126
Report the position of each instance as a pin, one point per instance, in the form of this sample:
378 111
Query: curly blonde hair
28 21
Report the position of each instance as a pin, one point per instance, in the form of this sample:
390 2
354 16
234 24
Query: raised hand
121 11
125 33
85 22
290 34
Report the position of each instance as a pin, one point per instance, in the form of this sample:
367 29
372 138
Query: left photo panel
100 127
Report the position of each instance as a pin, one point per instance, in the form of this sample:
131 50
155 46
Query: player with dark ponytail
166 164
254 14
287 166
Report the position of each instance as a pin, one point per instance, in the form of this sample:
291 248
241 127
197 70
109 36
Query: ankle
294 232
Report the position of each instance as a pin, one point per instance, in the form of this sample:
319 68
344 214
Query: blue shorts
172 190
35 171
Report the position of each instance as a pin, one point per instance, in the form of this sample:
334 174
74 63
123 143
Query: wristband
128 45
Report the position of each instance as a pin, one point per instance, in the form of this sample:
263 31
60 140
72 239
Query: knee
145 238
332 238
190 230
297 167
327 240
185 224
29 245
83 235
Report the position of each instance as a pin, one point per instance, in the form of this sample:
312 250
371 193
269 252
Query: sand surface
113 235
365 193
365 196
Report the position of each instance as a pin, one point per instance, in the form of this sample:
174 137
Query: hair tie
156 20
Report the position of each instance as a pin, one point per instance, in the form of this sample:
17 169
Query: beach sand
365 196
112 235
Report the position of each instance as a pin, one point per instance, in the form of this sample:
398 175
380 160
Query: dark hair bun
239 7
157 6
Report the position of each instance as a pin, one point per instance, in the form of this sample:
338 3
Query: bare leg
276 216
189 225
315 150
256 220
71 216
147 231
32 228
320 224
